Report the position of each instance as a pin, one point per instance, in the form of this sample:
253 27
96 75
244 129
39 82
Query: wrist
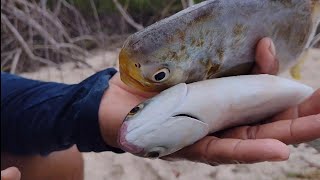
116 102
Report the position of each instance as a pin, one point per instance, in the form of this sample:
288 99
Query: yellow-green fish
216 38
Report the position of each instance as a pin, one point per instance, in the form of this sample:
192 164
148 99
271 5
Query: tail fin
315 43
315 35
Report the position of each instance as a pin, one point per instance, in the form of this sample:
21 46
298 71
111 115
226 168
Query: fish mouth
133 82
187 115
125 145
131 75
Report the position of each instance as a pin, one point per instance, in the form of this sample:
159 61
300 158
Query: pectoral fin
185 130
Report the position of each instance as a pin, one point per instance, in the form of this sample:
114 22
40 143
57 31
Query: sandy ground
304 162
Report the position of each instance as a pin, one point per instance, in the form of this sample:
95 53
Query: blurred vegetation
144 12
48 32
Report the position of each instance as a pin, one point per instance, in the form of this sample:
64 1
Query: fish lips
124 144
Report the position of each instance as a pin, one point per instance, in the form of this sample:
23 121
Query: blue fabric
41 117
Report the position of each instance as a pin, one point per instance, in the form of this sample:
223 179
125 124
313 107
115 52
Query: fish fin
295 71
314 38
190 131
315 42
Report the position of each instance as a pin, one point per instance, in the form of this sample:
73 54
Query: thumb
266 62
11 173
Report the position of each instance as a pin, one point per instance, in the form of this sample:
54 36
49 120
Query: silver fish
183 114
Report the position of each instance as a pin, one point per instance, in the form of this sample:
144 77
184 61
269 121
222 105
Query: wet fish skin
217 38
183 114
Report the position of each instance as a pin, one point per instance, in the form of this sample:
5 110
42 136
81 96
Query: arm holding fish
209 148
120 98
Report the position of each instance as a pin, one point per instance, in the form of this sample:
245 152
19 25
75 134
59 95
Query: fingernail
280 157
272 48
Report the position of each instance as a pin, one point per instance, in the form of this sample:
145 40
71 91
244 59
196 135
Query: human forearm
42 117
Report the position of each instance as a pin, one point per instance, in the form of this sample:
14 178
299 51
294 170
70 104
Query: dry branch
50 17
190 3
27 24
165 11
78 16
23 17
95 14
126 16
184 4
23 43
15 61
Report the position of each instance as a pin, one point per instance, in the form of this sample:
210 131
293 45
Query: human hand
258 143
119 99
11 173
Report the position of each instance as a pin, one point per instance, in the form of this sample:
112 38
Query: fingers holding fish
310 106
295 125
191 53
183 114
214 151
291 131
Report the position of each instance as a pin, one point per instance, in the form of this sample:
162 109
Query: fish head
155 128
150 65
147 72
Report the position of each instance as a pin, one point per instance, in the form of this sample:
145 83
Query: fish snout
124 144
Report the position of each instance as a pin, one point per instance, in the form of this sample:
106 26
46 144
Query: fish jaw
176 133
131 75
124 144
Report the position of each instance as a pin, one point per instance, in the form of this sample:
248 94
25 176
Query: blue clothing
41 117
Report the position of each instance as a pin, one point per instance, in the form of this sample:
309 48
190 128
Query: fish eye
155 152
135 110
161 75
